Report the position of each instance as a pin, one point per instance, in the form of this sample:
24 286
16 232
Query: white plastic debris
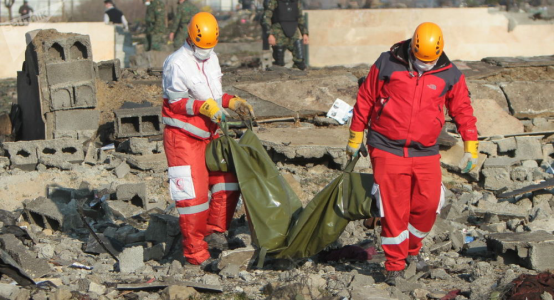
80 266
340 111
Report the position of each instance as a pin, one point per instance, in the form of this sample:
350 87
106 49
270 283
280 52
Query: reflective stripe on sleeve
173 96
190 107
225 187
186 126
193 209
418 233
395 240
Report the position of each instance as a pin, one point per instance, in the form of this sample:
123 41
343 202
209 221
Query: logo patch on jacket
432 86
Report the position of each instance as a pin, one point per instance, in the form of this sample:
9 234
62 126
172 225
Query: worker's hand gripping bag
347 198
270 202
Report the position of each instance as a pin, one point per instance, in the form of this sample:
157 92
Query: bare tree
9 4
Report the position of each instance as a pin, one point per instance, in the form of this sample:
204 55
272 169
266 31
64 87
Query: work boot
421 265
279 55
300 65
391 277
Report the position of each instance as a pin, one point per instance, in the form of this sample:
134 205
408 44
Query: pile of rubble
85 211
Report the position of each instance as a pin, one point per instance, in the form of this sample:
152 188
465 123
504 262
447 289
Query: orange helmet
427 42
203 30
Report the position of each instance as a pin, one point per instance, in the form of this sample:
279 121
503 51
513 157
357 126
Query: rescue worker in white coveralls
402 101
192 108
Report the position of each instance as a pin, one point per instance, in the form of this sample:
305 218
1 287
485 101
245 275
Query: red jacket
405 111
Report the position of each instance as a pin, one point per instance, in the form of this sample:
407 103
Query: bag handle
352 163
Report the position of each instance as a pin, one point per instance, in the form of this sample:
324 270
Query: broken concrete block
135 193
27 260
533 249
122 169
241 257
131 259
500 162
123 210
489 148
141 121
143 146
45 213
108 70
505 145
68 150
496 178
14 292
23 154
155 162
528 147
493 120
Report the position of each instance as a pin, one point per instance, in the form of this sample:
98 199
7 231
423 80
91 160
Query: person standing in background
282 21
178 31
155 24
114 16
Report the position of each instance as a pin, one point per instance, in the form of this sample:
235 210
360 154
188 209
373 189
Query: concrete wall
350 37
13 45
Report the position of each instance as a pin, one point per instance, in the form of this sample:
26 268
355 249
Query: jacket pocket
181 186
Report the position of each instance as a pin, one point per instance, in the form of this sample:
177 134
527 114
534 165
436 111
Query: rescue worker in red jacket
402 101
193 106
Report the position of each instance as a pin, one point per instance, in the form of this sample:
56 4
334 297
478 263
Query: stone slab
316 94
530 99
493 120
513 62
486 90
534 249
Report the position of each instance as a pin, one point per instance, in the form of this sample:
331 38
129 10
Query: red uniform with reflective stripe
405 112
187 83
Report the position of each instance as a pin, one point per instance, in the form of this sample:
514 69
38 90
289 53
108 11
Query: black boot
299 55
279 55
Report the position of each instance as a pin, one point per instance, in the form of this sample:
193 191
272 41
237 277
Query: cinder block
533 250
22 154
108 70
135 193
144 121
45 213
75 123
528 147
68 150
58 74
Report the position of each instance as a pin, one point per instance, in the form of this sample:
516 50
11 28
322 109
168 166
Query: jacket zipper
382 107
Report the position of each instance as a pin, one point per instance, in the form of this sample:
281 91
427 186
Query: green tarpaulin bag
347 198
270 202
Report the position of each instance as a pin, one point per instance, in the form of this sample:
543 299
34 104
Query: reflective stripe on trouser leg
393 175
426 195
189 189
225 195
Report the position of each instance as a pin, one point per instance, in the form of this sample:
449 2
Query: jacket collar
401 52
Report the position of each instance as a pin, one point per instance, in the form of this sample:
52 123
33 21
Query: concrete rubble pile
88 216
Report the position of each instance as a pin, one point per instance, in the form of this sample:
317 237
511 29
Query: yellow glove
354 143
241 107
211 110
470 158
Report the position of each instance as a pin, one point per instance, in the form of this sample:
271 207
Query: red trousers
408 191
190 185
